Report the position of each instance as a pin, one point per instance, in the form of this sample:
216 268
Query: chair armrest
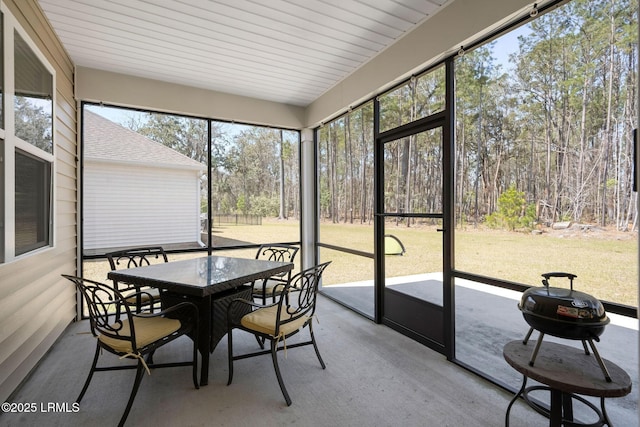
183 306
275 291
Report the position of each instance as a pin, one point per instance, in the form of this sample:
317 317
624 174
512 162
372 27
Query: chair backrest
298 298
278 252
136 257
106 310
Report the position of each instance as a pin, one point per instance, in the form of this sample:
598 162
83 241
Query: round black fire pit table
566 373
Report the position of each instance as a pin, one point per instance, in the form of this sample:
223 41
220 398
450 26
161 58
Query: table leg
213 323
212 311
219 305
205 338
204 322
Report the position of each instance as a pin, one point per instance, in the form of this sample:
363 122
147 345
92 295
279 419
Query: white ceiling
289 51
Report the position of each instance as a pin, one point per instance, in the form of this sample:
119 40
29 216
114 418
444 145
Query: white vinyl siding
132 205
36 303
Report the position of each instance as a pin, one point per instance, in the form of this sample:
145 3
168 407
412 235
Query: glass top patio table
208 282
201 276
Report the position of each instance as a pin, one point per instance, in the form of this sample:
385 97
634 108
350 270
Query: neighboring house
136 191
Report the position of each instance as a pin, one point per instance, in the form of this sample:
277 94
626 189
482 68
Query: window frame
11 144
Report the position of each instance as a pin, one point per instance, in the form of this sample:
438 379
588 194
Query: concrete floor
374 377
487 318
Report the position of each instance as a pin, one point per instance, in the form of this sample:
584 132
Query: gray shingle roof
105 140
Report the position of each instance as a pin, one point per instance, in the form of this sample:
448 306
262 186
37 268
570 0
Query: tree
185 135
33 123
282 214
512 211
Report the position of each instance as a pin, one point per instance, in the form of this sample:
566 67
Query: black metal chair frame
135 257
111 317
275 252
296 303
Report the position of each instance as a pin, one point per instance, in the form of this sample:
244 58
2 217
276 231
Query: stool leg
586 349
506 417
555 413
567 407
604 413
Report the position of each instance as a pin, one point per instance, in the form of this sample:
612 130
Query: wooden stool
566 372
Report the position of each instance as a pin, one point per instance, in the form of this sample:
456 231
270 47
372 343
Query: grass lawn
605 262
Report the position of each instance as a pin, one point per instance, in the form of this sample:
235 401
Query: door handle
440 230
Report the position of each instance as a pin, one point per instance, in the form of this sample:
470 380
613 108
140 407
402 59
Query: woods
254 170
548 109
345 167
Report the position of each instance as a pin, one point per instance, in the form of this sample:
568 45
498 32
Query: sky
117 115
508 44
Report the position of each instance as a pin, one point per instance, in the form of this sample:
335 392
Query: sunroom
494 141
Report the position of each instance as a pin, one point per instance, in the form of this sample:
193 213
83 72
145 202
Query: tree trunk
607 137
363 189
283 213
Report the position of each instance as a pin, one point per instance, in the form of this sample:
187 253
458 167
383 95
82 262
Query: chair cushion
271 284
263 320
144 298
148 330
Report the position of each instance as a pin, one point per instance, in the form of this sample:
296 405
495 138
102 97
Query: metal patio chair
293 311
133 336
137 257
272 286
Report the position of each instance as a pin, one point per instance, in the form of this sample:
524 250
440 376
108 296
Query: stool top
567 369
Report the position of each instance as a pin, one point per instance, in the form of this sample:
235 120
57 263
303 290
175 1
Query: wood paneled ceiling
289 51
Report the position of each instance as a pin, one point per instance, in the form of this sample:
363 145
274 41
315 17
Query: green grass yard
605 262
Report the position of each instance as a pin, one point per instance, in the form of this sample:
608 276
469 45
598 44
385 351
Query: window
33 189
26 148
33 100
